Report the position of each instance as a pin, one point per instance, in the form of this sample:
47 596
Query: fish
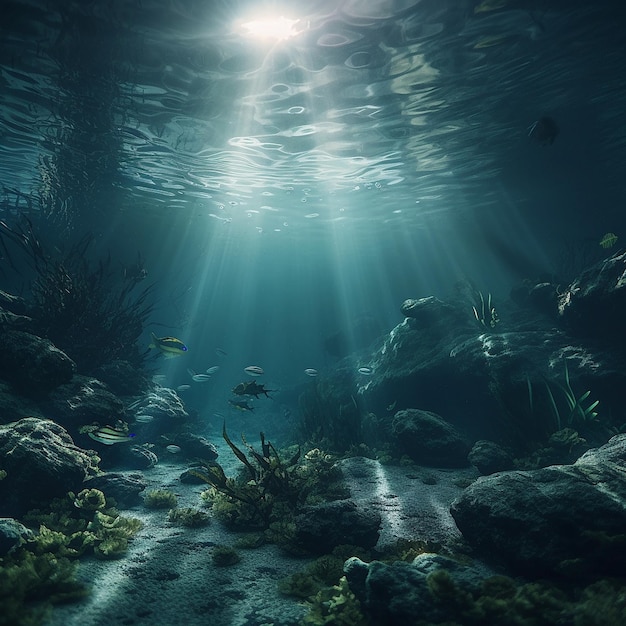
608 240
183 387
251 388
310 372
200 378
544 131
254 370
144 419
220 352
366 371
213 369
241 405
173 449
169 347
109 435
392 406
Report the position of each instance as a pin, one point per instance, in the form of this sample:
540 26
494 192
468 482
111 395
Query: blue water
277 191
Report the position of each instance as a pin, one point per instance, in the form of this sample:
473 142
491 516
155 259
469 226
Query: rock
194 446
397 593
428 439
33 365
122 378
12 534
41 462
124 488
488 457
14 406
430 312
563 519
164 406
594 305
16 322
323 527
83 401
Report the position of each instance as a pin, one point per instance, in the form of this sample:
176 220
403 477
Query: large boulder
489 457
323 527
594 305
396 593
428 439
33 365
41 463
563 519
83 401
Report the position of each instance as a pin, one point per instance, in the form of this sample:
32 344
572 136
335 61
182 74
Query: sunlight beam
271 28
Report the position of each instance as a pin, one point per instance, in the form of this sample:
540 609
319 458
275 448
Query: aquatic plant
485 312
189 517
224 556
336 605
81 524
30 584
331 417
577 413
269 491
160 499
87 310
89 500
325 571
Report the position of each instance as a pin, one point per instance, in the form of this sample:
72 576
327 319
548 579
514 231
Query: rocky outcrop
488 457
323 527
124 488
12 534
428 439
34 366
563 519
84 400
400 592
41 463
594 305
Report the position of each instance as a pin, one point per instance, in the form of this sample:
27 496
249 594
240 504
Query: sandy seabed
168 577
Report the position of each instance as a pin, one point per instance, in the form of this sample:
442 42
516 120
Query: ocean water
281 189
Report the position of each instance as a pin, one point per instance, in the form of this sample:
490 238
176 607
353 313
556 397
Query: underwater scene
312 312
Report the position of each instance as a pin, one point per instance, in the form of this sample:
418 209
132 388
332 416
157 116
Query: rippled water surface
379 151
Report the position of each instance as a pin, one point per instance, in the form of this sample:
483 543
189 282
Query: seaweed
270 490
160 499
224 556
189 517
88 311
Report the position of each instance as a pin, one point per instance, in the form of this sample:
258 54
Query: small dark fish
241 405
251 388
544 130
220 352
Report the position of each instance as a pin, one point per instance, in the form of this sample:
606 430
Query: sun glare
276 28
